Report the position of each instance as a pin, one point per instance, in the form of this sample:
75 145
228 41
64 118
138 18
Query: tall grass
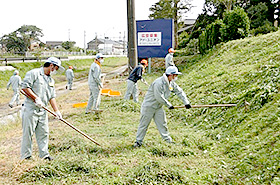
236 145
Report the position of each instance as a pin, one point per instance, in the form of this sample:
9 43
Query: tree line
220 21
20 40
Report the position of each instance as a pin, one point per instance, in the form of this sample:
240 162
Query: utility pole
85 42
124 46
69 34
131 26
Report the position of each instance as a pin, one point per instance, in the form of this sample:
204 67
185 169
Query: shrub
183 39
211 36
215 32
266 28
203 44
191 48
237 24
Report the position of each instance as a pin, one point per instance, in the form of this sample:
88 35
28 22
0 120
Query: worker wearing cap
169 58
95 84
15 82
134 76
156 97
38 86
69 77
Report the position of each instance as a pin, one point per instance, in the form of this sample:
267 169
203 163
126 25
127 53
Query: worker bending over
156 97
135 75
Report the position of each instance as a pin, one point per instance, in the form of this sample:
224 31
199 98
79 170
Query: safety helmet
172 70
145 62
99 55
70 67
171 50
55 61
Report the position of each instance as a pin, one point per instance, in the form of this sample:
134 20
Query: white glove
38 102
58 115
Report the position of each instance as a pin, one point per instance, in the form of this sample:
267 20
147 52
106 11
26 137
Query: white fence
54 53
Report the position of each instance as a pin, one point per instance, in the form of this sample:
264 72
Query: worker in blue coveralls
135 75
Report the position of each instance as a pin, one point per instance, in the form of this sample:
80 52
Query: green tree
211 36
170 9
13 43
20 40
227 3
214 9
257 14
29 33
68 45
237 24
183 39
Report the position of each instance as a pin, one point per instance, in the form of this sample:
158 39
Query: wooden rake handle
213 105
64 121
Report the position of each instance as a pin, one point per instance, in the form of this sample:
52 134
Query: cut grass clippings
228 145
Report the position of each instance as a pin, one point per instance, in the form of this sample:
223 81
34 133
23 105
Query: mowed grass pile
236 145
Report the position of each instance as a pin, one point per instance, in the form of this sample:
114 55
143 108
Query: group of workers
38 87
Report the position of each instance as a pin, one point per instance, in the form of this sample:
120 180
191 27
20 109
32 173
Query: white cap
172 70
55 61
99 55
16 72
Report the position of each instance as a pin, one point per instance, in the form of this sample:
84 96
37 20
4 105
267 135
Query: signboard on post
154 37
149 38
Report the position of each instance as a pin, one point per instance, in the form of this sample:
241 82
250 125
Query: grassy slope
238 145
239 71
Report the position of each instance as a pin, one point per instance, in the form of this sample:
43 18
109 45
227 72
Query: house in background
54 44
188 25
34 45
107 46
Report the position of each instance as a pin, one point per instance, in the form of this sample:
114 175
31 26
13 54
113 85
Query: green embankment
236 145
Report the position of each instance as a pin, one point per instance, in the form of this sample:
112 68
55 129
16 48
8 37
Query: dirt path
8 113
10 164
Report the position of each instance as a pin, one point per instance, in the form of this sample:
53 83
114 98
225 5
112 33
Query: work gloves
188 106
171 107
38 102
144 81
58 115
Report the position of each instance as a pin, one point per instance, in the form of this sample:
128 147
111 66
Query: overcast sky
61 20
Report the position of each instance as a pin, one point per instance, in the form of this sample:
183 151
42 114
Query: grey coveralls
151 108
35 119
132 88
169 60
15 82
95 85
69 76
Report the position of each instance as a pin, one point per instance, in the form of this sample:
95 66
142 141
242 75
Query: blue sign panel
154 37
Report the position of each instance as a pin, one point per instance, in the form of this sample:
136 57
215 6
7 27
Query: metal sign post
149 65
